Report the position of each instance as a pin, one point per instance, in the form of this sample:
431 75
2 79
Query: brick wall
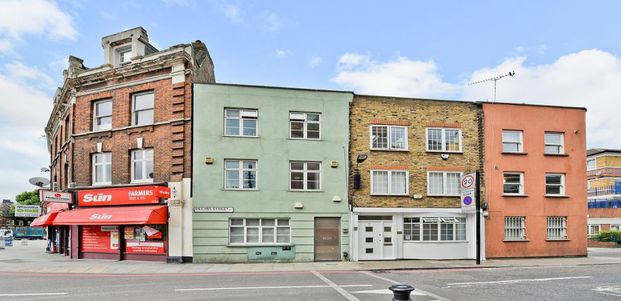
170 140
417 115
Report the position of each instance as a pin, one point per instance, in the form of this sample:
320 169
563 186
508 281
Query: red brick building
128 123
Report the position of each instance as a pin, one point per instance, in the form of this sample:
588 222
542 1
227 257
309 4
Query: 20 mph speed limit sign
468 195
467 181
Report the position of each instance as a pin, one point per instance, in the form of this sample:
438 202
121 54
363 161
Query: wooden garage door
327 243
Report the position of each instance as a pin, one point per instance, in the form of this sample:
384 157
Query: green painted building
270 173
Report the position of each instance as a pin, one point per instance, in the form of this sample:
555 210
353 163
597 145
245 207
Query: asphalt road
587 282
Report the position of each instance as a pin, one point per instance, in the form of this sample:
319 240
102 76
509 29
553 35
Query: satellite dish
39 181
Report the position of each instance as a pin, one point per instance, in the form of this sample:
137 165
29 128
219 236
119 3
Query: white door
375 240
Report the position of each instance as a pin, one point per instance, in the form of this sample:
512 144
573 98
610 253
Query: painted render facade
408 139
535 180
262 217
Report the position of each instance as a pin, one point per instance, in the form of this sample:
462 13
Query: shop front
128 223
412 233
58 237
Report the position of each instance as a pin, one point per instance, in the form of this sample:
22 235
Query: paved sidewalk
31 257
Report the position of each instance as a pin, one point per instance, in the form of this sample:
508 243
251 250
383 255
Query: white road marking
32 294
467 284
416 291
609 290
337 288
263 287
383 292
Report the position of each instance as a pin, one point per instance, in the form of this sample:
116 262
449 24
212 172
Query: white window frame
390 172
104 164
438 221
305 122
251 114
134 111
260 227
515 225
241 171
522 189
443 142
556 228
122 50
562 185
389 146
560 146
444 182
593 166
520 142
590 229
305 172
97 128
143 159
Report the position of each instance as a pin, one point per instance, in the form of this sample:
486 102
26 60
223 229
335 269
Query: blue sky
563 52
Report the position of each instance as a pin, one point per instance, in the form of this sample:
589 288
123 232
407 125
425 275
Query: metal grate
557 227
515 228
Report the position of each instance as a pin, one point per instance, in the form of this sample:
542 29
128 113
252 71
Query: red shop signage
99 239
123 196
145 247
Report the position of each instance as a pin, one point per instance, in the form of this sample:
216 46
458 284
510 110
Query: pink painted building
535 180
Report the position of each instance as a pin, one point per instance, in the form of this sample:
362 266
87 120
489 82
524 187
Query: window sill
301 190
141 181
515 153
516 240
444 195
398 195
435 241
225 189
231 136
556 155
102 184
305 139
260 245
555 196
515 195
389 150
444 152
560 239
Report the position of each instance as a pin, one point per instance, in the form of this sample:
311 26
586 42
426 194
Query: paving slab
31 257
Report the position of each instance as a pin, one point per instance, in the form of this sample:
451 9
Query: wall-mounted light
357 179
209 160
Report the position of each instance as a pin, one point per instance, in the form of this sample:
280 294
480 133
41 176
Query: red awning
44 220
126 215
48 219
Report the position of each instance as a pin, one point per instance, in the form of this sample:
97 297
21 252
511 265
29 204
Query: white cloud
588 78
25 104
315 61
280 52
36 17
398 77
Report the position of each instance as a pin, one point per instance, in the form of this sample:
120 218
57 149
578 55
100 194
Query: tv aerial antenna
494 79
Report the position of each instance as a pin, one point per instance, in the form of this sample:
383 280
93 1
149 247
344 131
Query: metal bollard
401 292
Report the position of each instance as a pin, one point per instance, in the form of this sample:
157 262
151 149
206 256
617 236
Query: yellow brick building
406 202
